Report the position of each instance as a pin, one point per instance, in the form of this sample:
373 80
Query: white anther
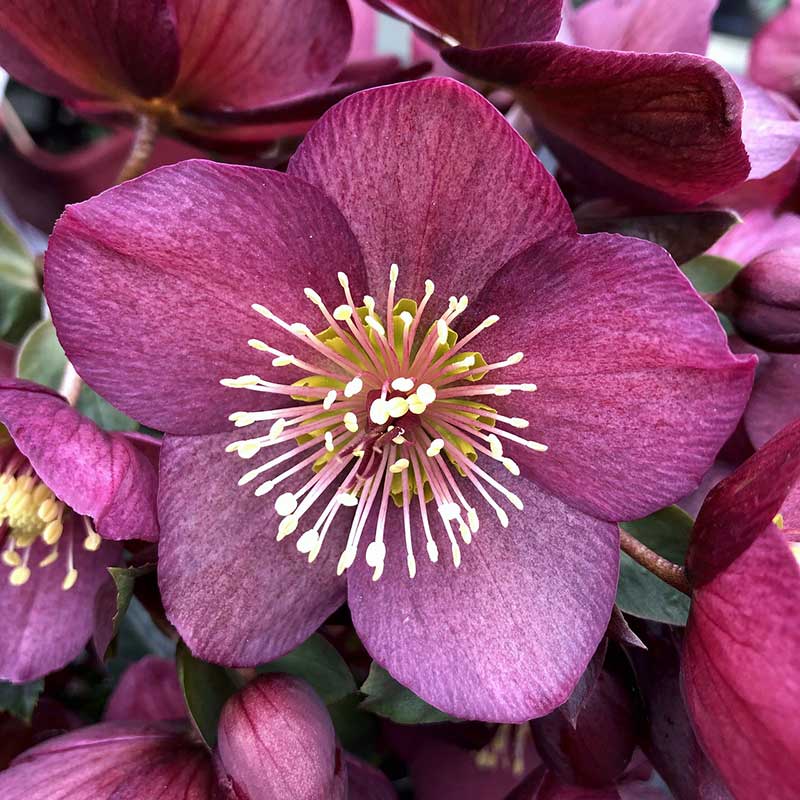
456 554
434 448
399 439
248 449
288 526
241 381
350 421
92 542
329 400
465 363
379 411
343 281
403 384
429 287
276 429
346 499
375 554
441 331
502 391
415 405
398 466
528 387
463 302
300 329
472 520
353 387
285 504
369 303
282 361
312 296
495 445
329 441
511 466
307 541
537 446
433 551
257 344
263 310
342 313
466 533
394 271
450 511
70 580
412 565
518 422
346 560
489 321
426 393
515 359
397 407
515 501
406 318
502 516
373 323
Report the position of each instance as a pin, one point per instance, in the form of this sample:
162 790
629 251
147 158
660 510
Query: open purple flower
742 645
275 742
213 71
65 487
453 467
664 129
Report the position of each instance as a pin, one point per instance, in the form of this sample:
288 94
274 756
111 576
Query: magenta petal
110 49
236 595
775 402
432 178
98 474
476 23
636 394
760 231
248 53
546 584
46 627
174 260
644 26
740 667
663 128
364 782
739 508
276 742
148 691
775 55
113 761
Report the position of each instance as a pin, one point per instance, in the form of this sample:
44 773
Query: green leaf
639 591
710 274
356 729
17 265
20 699
41 357
318 663
206 689
125 580
19 309
388 698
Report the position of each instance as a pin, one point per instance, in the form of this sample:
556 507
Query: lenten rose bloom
192 64
741 654
275 742
68 491
344 420
659 129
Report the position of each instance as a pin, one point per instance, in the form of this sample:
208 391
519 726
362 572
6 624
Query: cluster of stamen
390 413
30 511
506 750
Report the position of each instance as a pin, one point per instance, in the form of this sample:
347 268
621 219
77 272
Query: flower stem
143 142
71 385
662 568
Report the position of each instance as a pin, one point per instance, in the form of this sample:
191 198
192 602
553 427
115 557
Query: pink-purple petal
109 49
430 177
365 782
175 259
636 394
148 691
775 54
644 26
46 627
248 53
96 473
664 129
775 402
235 594
545 584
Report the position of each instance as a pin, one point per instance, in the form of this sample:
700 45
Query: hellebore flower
741 654
775 54
663 129
402 420
275 741
192 64
65 487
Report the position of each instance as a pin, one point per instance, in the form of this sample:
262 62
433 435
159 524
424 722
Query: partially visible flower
741 654
661 129
66 487
196 66
403 430
147 691
775 54
276 742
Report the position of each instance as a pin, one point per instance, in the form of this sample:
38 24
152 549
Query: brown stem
143 142
16 130
662 568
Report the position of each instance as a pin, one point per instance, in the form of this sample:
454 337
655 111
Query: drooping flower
275 742
461 460
213 71
66 489
741 655
661 129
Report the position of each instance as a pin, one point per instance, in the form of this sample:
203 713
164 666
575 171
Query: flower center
29 511
390 412
506 750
